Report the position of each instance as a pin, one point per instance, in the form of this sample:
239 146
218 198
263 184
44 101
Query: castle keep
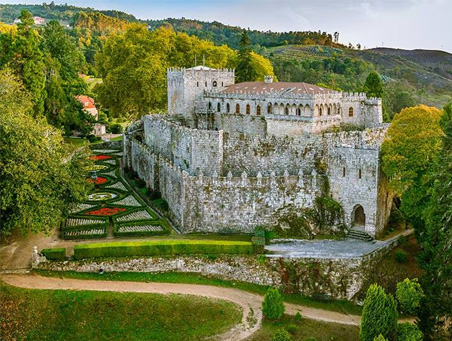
231 157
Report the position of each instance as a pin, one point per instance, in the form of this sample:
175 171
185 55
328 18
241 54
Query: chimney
268 79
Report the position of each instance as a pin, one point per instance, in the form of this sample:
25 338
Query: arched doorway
359 217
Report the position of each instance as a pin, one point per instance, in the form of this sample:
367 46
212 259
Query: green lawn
87 315
177 277
304 329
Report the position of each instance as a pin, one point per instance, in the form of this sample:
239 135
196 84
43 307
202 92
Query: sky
407 24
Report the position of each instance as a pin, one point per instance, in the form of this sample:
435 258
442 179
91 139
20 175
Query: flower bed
99 180
137 215
98 168
101 196
73 221
143 228
100 157
106 211
128 201
84 233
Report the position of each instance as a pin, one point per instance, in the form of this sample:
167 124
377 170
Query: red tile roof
287 87
88 102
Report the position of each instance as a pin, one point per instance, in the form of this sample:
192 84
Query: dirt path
250 303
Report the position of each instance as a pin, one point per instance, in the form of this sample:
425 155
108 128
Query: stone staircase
360 235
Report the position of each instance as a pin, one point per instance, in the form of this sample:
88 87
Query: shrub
400 256
273 305
116 128
409 332
409 294
379 315
380 338
298 316
54 254
311 338
292 329
281 335
161 247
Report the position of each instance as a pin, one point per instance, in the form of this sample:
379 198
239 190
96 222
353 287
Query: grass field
87 315
304 329
176 277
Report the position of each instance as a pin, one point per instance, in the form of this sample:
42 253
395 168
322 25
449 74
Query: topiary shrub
273 306
400 256
409 294
298 317
281 335
379 315
292 328
54 254
409 332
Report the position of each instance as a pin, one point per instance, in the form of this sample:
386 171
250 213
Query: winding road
250 303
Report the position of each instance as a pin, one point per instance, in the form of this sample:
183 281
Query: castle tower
185 86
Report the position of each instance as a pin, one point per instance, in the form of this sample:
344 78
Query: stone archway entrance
359 218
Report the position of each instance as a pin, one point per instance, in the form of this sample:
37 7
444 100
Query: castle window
237 109
298 111
228 108
197 84
222 84
320 111
248 109
359 173
258 110
350 112
286 111
210 106
329 111
269 109
343 171
218 107
214 84
205 84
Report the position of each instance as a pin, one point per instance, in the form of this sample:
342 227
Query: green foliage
281 335
400 256
40 176
245 72
298 316
55 253
379 315
409 332
374 85
116 128
273 306
380 338
409 294
161 247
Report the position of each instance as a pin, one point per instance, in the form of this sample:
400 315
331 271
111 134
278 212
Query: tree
262 67
245 72
380 338
435 313
408 332
374 85
409 294
273 305
281 335
40 176
408 153
379 315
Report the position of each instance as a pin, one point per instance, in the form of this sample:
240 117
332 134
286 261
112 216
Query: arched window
214 84
205 84
248 109
228 108
298 112
329 111
269 109
218 107
350 112
237 108
286 111
210 106
197 84
320 111
258 110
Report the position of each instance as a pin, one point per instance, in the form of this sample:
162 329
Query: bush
54 254
281 335
116 128
161 247
273 305
401 256
311 338
379 315
298 316
292 328
409 294
380 338
409 332
92 138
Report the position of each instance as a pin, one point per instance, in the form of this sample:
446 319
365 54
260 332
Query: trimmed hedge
54 254
161 247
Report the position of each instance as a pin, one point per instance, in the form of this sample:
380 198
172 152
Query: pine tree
374 85
379 315
245 71
273 305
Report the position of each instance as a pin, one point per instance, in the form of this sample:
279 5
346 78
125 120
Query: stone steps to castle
360 235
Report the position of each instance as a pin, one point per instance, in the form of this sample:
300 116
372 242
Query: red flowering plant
100 157
99 180
106 211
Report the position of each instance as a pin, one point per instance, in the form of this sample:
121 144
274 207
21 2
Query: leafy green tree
380 338
281 335
40 176
409 294
408 153
374 85
245 72
435 259
408 332
273 305
379 315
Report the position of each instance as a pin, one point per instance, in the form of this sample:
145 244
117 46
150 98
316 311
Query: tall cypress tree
245 72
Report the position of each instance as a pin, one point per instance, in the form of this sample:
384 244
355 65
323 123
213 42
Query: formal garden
112 209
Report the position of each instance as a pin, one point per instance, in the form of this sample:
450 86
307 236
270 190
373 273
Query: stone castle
231 157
